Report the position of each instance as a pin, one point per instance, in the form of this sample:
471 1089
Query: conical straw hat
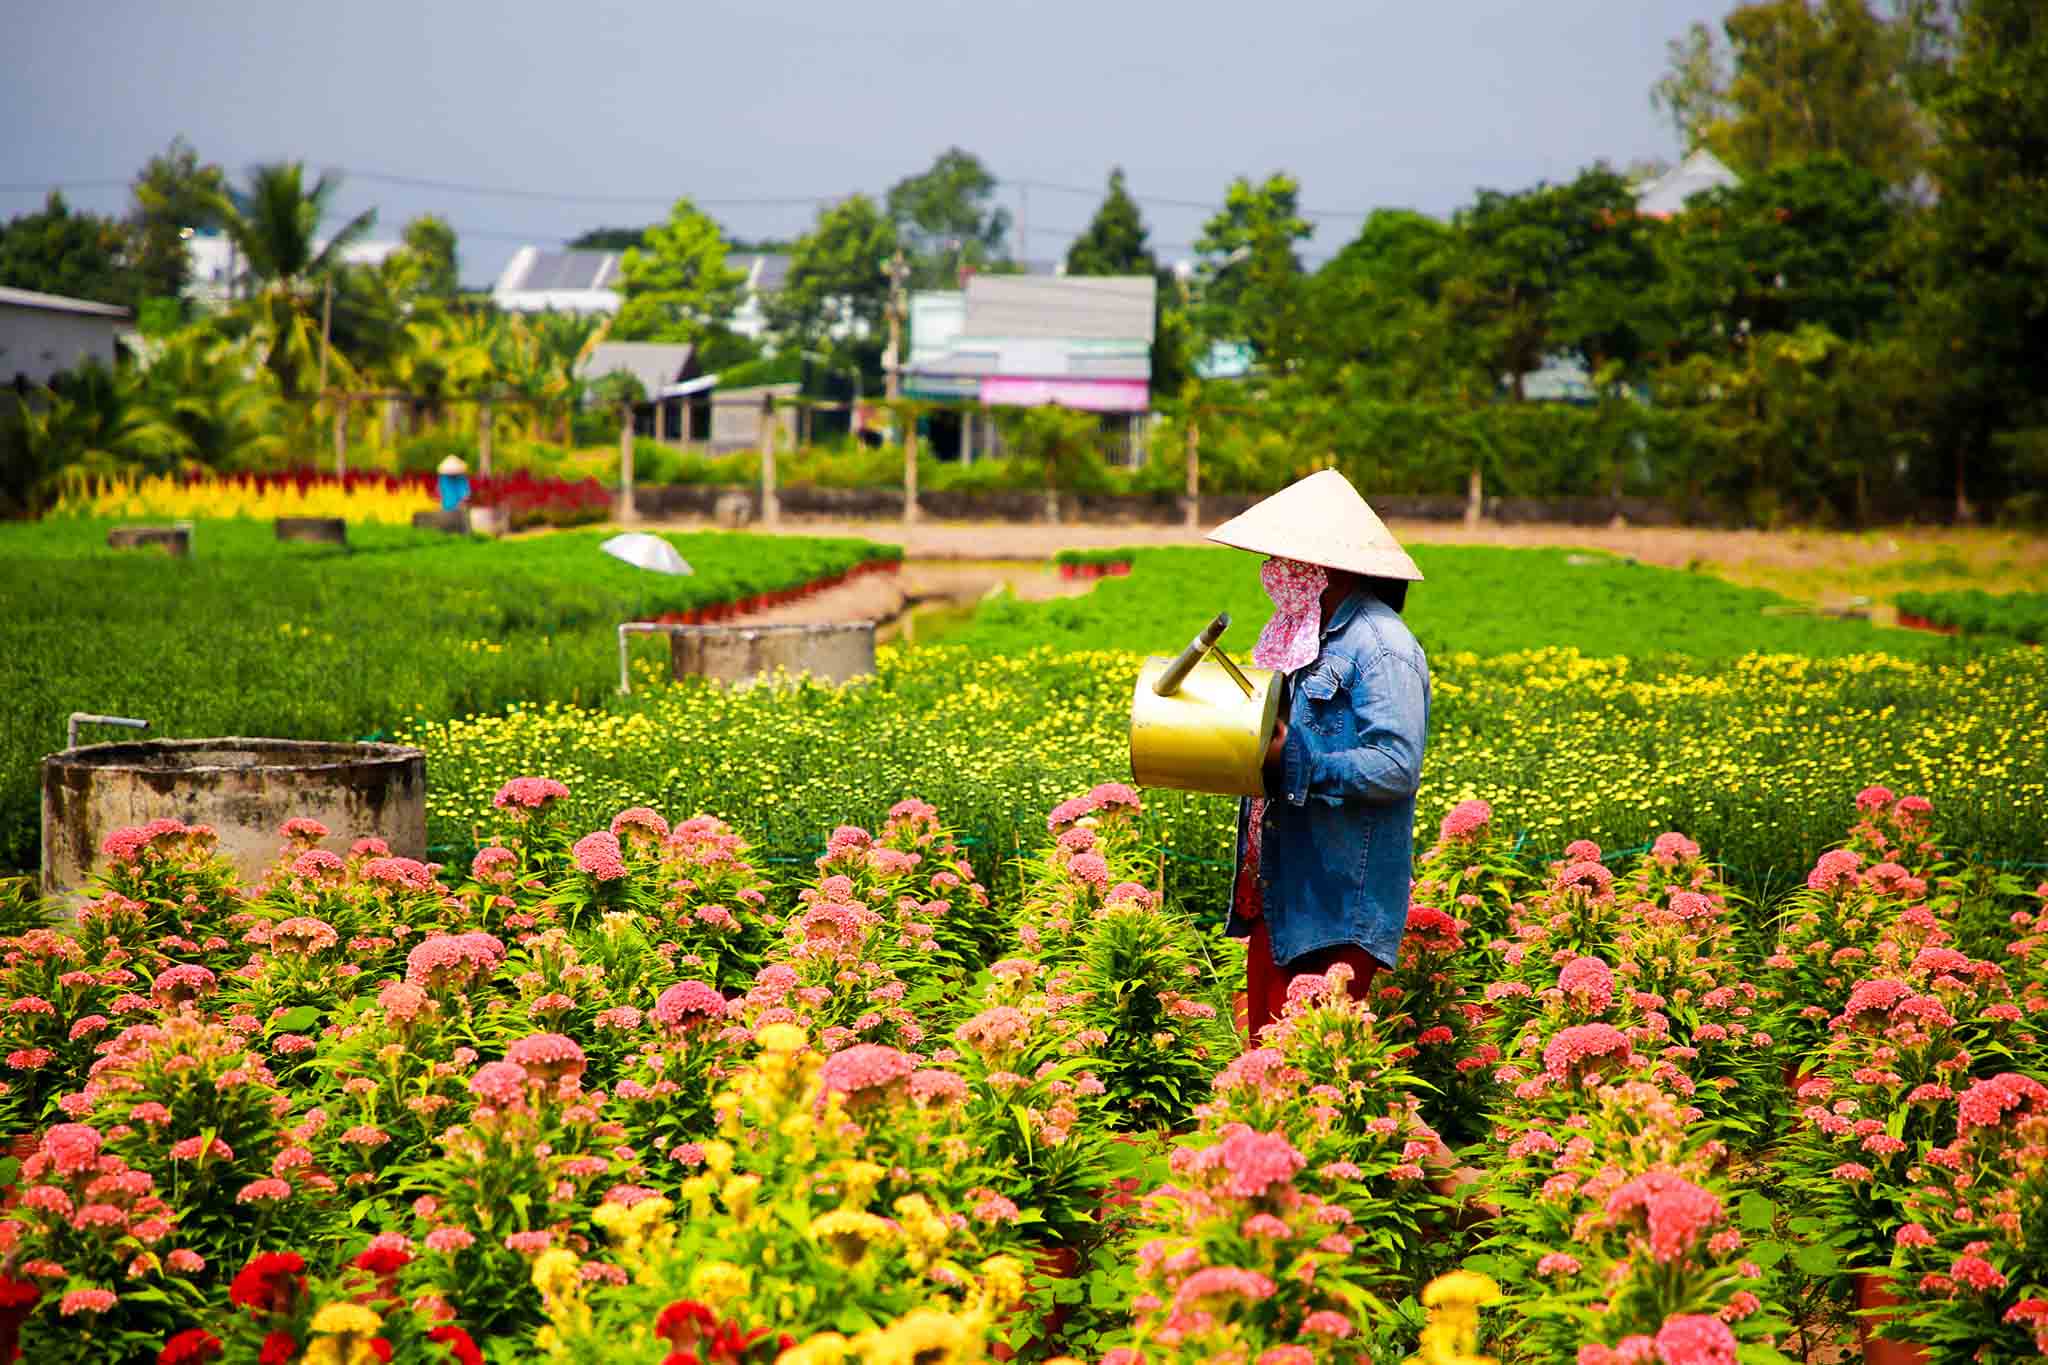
1320 520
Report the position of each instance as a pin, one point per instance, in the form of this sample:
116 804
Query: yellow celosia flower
738 1195
337 1319
718 1156
718 1282
554 1272
858 1181
1452 1334
1003 1278
780 1038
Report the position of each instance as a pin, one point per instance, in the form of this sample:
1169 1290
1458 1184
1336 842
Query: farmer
1323 859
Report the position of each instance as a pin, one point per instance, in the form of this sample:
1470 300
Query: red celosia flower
279 1348
268 1284
382 1261
461 1346
685 1322
193 1346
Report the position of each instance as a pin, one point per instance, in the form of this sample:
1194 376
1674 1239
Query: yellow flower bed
163 497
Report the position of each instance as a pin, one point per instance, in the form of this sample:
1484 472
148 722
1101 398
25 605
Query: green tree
174 195
610 238
678 287
1378 324
275 223
1252 285
1556 268
1805 244
213 393
946 221
835 296
1983 310
426 264
1801 79
79 255
1114 241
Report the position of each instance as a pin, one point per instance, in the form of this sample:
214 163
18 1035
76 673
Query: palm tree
276 228
215 394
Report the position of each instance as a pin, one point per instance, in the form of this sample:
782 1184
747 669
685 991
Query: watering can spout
1177 672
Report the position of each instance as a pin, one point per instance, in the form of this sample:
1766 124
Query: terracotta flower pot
1874 1291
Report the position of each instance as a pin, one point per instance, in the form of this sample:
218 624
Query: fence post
1475 498
910 507
627 511
1194 496
484 424
340 436
771 504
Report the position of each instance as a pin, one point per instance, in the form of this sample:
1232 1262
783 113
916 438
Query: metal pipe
79 718
1177 672
637 628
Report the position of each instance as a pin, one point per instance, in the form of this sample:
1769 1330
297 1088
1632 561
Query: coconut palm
217 396
276 225
89 426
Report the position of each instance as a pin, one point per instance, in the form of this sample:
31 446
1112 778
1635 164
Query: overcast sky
604 111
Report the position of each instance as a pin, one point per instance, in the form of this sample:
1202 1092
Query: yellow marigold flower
339 1319
780 1038
719 1281
923 1336
826 1348
554 1272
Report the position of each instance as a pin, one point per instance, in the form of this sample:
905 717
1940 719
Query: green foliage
2021 615
944 217
427 262
1616 607
478 625
679 285
835 295
57 251
174 194
1252 290
1113 243
1800 79
276 223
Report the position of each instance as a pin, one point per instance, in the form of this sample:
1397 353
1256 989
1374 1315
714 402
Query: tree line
1854 329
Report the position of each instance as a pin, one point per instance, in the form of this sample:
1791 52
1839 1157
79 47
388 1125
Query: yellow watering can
1200 723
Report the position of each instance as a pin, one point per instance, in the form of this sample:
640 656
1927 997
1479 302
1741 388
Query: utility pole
1024 226
897 270
326 329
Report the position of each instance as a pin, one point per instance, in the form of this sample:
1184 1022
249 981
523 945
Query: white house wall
39 342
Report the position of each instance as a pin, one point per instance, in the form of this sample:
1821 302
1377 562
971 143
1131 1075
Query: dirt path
884 597
1819 566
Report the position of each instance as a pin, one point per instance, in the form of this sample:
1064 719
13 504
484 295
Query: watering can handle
1177 672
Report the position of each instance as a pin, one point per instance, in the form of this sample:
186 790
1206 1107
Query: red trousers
1266 980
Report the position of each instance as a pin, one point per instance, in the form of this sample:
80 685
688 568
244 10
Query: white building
218 273
582 281
42 335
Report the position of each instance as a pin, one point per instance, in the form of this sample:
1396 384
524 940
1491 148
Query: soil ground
1829 568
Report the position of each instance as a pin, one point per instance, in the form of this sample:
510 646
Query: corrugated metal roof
1068 308
656 364
767 272
1698 173
563 270
58 303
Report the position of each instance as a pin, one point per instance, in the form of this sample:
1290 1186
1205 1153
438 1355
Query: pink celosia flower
1675 1210
688 1002
937 1087
1326 1323
1466 822
1090 869
400 874
317 864
72 1148
303 935
450 1239
1557 1263
1219 1281
529 793
1695 1339
1835 871
1588 983
598 856
500 1083
1582 1043
529 1243
1977 1273
178 985
1990 1102
1256 1161
1588 878
864 1067
547 1056
86 1301
263 1192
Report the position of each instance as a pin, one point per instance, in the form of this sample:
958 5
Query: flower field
624 1090
526 499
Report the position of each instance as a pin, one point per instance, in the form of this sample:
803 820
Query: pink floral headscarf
1294 636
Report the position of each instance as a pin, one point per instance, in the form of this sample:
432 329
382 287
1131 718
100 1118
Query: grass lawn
253 637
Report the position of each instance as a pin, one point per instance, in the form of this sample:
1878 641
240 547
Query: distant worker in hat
454 481
1324 858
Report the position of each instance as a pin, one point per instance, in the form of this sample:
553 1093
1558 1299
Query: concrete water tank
244 788
742 654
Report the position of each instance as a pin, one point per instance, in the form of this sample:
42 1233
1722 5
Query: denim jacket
1336 852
